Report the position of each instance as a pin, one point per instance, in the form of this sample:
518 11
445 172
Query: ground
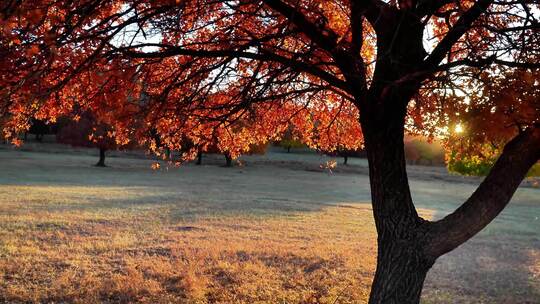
278 229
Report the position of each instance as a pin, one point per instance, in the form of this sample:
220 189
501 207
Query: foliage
201 93
288 141
473 165
505 105
478 162
86 131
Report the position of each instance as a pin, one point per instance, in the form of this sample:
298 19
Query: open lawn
276 230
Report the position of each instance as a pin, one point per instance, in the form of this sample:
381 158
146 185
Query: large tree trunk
401 271
101 162
401 263
407 244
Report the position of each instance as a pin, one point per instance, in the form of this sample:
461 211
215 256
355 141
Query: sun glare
458 129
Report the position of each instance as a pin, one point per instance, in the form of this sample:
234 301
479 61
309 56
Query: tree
289 139
422 151
39 128
85 131
206 63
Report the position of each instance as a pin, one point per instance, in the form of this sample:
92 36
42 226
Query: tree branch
484 62
491 197
461 27
430 7
376 12
263 56
322 35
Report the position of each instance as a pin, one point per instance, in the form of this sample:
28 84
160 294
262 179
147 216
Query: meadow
277 229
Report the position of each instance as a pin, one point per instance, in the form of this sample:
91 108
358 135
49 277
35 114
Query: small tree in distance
86 131
288 141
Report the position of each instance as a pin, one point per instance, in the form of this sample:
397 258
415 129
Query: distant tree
86 131
214 148
39 128
289 141
346 153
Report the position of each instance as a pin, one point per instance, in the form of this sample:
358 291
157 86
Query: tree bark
401 263
345 159
400 274
402 235
101 162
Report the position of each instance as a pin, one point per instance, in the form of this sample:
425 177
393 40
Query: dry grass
56 252
70 233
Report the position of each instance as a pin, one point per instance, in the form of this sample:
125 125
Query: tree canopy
213 61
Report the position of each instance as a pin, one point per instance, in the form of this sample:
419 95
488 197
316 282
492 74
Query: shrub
477 165
478 161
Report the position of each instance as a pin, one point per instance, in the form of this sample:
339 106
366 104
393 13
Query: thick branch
491 197
484 62
321 34
376 12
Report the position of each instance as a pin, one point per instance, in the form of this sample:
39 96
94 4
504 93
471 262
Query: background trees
208 63
86 131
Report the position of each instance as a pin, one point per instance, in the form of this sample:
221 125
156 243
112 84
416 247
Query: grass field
276 230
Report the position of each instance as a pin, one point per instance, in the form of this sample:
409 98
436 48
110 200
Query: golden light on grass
119 244
67 248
